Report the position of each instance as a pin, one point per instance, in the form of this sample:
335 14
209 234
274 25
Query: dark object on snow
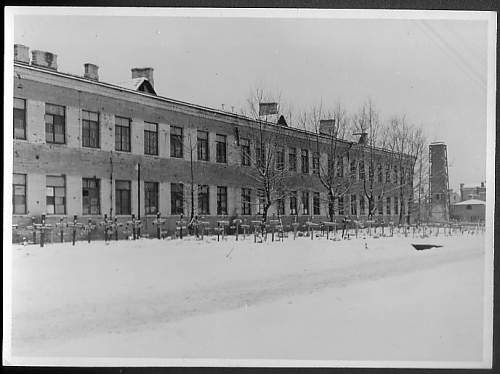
420 247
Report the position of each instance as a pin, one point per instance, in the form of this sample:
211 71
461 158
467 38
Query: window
246 198
91 196
354 207
305 202
305 161
396 205
280 158
468 207
292 159
396 181
221 154
221 200
260 156
150 197
380 206
150 138
315 163
280 206
340 167
122 134
316 204
90 129
388 206
353 170
340 203
19 118
19 193
331 166
361 170
245 152
56 194
122 197
176 142
203 199
387 174
380 176
55 124
177 198
362 205
293 202
202 147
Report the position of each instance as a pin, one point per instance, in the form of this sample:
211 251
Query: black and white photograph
248 187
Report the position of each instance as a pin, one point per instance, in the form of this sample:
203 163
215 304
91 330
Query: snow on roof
132 84
471 202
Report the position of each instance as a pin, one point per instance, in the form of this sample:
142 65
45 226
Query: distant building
469 211
473 192
454 197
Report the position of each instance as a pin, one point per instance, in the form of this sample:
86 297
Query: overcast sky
433 71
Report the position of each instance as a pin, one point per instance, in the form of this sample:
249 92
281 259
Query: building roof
136 84
471 202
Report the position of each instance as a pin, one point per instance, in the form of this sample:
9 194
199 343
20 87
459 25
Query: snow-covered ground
295 300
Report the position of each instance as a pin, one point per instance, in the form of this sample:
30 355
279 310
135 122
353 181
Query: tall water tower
438 182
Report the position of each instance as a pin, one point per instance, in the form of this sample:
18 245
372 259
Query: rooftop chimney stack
44 59
482 184
21 53
91 71
143 73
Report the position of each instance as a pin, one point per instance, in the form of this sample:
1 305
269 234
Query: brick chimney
91 71
44 59
21 53
143 73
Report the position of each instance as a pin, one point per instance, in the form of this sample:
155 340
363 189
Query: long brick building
81 146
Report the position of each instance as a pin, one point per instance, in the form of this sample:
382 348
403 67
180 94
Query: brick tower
438 182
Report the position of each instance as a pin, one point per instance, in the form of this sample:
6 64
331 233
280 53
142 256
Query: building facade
473 192
88 148
469 211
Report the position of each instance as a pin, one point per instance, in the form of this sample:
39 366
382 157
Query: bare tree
266 160
330 128
409 142
369 129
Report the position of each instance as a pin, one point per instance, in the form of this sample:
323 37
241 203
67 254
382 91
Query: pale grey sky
432 71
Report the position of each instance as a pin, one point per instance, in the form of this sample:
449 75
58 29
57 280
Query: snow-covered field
292 300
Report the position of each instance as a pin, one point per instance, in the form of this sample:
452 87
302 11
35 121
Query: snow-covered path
133 298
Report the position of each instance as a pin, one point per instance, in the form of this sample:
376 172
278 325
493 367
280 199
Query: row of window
55 119
55 132
56 199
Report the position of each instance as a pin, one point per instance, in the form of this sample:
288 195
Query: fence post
158 228
133 226
61 232
88 230
74 229
42 231
33 219
105 228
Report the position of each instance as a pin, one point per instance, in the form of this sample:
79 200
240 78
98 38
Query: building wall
468 213
35 158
